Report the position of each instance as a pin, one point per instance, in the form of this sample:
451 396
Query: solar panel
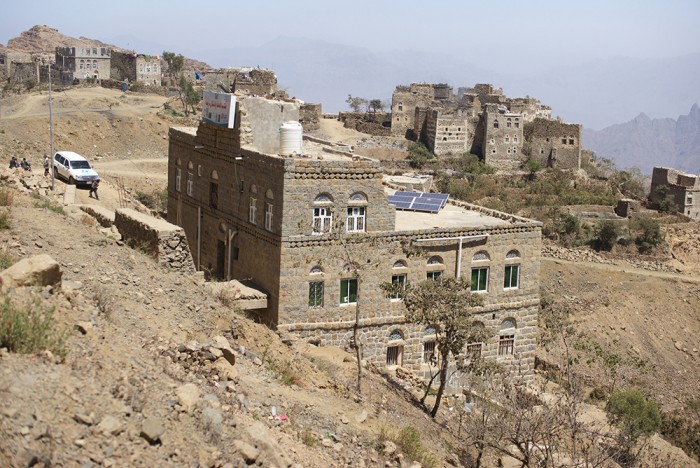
418 201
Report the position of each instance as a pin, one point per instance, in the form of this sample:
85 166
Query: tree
175 63
188 95
650 236
607 235
533 167
637 418
418 155
356 103
444 304
376 105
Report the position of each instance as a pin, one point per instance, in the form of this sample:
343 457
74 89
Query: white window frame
178 179
316 291
398 278
252 210
346 300
356 219
190 184
268 216
475 288
509 275
322 220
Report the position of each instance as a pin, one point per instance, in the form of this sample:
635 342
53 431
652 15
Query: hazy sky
508 35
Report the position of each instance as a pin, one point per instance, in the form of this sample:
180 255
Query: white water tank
290 138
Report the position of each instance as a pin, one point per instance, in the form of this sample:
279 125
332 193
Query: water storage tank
290 138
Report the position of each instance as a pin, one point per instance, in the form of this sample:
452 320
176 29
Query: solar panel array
418 201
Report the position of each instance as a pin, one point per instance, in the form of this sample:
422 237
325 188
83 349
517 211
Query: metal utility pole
51 127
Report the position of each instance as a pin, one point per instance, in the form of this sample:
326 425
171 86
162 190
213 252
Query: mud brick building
554 143
310 224
684 190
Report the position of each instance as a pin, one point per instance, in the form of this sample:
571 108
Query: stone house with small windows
314 230
683 189
79 63
141 68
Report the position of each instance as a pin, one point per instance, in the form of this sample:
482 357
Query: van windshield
80 165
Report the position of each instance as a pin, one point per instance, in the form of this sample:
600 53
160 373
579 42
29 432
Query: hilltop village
256 313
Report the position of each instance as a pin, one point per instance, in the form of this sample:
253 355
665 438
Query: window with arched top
268 194
178 162
428 331
435 260
399 264
323 198
481 256
508 323
395 335
190 166
316 270
253 188
214 175
358 197
513 254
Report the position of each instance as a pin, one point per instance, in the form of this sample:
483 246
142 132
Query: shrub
418 155
682 432
607 235
5 220
30 328
6 197
650 235
408 438
6 260
633 413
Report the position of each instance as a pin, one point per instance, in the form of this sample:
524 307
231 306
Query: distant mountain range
644 143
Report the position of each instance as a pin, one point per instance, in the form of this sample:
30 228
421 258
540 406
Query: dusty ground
125 366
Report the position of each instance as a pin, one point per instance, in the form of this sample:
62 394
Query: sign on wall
219 108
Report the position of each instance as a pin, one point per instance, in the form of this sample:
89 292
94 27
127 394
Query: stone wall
450 132
243 81
375 123
503 138
310 116
554 144
404 101
165 241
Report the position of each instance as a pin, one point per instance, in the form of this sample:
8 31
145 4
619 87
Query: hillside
45 39
644 143
140 334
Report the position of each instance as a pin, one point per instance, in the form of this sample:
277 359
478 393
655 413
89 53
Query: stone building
136 68
406 99
554 143
83 62
683 189
243 81
450 131
503 137
313 228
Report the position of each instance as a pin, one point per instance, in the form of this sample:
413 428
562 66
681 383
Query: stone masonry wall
555 144
503 138
310 116
404 101
161 239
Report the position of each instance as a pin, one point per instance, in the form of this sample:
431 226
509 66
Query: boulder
40 270
110 425
151 429
225 369
188 396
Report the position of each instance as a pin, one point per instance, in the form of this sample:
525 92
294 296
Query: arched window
253 188
323 198
513 254
178 162
358 197
395 335
399 264
508 323
435 260
214 175
190 166
480 256
429 354
316 270
268 194
394 352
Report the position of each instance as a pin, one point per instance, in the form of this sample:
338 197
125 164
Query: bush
633 413
682 432
408 439
418 155
6 197
30 329
650 235
607 235
6 261
5 220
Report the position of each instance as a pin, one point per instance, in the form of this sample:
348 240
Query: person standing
46 165
93 188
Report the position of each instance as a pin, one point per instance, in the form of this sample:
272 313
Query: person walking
46 165
93 188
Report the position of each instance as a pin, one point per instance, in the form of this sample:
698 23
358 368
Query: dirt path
627 269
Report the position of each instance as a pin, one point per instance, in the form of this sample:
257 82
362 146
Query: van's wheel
71 180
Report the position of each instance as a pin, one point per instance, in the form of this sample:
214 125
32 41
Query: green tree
533 167
418 155
189 96
650 235
356 103
376 105
446 305
175 63
636 416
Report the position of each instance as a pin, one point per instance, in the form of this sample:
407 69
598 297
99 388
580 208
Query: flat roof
451 216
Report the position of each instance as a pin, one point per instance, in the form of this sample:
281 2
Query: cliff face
644 143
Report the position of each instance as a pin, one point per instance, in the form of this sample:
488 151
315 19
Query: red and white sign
219 108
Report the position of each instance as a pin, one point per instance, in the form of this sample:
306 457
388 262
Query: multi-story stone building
313 228
406 99
450 131
83 62
141 68
503 137
684 190
554 143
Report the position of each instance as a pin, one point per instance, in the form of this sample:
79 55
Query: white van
73 167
